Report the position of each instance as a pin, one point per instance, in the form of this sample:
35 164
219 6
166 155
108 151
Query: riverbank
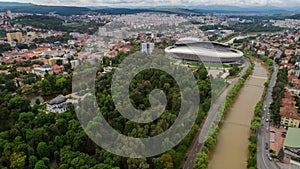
256 124
235 127
201 161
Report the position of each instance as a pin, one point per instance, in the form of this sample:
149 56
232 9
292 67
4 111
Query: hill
15 4
41 9
117 11
296 16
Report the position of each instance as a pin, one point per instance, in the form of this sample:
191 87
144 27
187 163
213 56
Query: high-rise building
151 47
12 36
102 31
9 14
144 47
147 47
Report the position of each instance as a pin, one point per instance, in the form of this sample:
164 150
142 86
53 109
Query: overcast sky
279 3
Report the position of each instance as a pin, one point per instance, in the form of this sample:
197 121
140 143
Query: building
151 47
9 14
71 42
102 31
192 49
291 145
12 36
144 47
31 34
289 116
43 69
147 47
57 105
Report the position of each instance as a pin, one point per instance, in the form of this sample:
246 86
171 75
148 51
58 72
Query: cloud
280 3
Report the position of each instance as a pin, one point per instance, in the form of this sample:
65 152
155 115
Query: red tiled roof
288 102
289 112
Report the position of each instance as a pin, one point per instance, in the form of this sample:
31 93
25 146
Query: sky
115 3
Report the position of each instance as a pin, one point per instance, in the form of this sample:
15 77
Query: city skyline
154 3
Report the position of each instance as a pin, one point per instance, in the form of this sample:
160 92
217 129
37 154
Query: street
262 160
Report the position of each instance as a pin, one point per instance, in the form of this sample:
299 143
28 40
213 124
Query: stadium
192 49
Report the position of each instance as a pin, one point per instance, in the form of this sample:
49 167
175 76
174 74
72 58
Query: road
203 133
262 160
239 37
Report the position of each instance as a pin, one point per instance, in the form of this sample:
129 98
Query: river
231 151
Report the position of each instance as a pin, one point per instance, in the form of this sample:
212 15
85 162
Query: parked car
267 146
269 157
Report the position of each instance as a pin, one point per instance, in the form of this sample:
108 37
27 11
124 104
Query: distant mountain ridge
296 16
15 4
171 9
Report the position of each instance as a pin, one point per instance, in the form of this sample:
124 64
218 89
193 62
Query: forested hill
40 9
117 11
297 16
69 10
15 4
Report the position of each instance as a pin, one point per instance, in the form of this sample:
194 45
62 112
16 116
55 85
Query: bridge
259 77
235 123
255 85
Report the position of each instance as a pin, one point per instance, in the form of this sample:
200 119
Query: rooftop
203 48
289 112
292 138
57 100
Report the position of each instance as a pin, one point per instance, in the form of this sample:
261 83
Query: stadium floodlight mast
88 111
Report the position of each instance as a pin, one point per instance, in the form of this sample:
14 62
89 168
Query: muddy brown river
231 151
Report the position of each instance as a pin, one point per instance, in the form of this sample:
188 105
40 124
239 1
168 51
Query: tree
158 163
42 150
17 160
10 86
234 70
46 87
201 161
26 117
252 148
40 165
280 154
20 103
37 101
139 163
32 161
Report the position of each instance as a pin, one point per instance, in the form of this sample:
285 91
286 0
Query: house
288 102
57 69
57 105
261 52
43 69
289 116
291 146
289 52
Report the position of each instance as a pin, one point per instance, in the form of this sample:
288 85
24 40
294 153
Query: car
267 120
185 158
267 146
269 157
